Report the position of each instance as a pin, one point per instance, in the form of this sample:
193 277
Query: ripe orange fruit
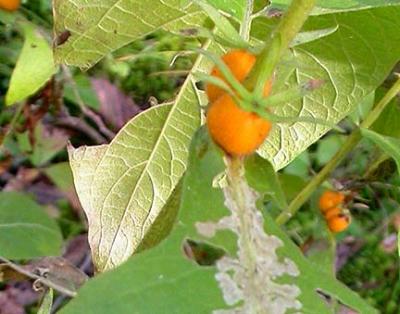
330 199
237 131
338 223
10 5
240 62
332 213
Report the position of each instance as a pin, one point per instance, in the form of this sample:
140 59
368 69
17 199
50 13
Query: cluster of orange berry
9 5
237 131
331 206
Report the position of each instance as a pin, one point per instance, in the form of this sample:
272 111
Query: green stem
246 24
350 143
289 26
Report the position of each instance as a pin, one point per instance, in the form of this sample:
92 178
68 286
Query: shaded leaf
389 145
261 175
388 122
24 222
35 66
61 175
84 89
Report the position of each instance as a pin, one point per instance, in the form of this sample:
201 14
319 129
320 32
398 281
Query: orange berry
240 62
237 131
9 5
339 223
332 212
330 199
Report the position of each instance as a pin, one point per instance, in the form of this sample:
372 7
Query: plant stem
240 193
245 26
46 282
353 139
289 26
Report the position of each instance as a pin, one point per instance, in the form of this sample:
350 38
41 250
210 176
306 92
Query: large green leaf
124 186
329 6
26 231
34 67
352 61
87 32
165 280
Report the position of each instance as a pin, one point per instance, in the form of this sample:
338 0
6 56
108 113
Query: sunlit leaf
352 63
34 67
124 186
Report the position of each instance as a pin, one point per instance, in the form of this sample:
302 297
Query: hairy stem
289 26
237 182
353 139
246 24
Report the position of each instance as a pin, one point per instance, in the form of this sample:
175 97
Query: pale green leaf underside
34 67
26 231
124 186
352 61
102 26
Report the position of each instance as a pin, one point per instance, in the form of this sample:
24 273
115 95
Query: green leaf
223 25
389 145
45 307
235 8
363 108
351 61
61 175
85 91
25 223
261 175
163 279
327 147
329 6
388 122
35 66
102 27
293 184
124 186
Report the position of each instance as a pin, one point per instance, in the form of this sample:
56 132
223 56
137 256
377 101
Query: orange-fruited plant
237 131
330 199
339 223
330 204
10 5
240 62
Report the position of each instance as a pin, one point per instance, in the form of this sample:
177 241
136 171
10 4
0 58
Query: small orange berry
10 5
332 212
240 62
237 131
330 199
339 223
